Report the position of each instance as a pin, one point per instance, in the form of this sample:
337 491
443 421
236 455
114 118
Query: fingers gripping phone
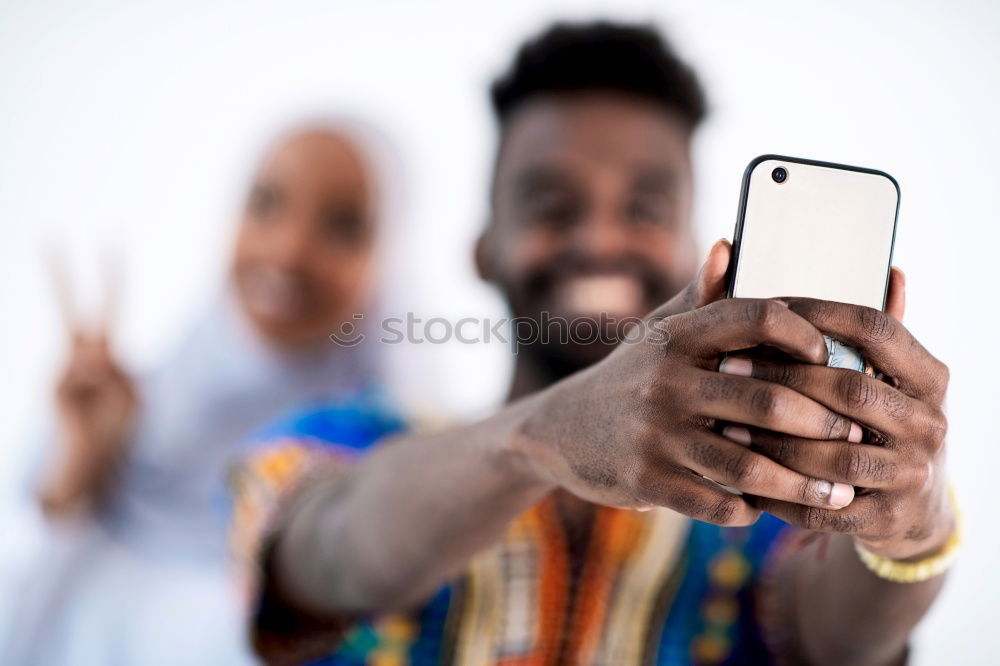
815 229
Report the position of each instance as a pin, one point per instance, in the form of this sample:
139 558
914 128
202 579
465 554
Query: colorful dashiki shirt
653 587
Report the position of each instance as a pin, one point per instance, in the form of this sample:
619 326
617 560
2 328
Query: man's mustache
657 287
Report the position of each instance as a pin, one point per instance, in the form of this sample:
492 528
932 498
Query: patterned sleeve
265 481
263 485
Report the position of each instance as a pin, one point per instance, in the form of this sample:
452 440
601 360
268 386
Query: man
560 531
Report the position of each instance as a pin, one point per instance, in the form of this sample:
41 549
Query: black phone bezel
745 193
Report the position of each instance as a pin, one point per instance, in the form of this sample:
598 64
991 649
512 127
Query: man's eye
648 210
555 212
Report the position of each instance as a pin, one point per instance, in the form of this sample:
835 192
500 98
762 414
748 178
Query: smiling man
579 525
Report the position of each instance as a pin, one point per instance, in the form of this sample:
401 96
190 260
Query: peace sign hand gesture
95 406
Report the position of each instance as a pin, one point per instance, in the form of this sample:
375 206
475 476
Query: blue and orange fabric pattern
653 587
321 439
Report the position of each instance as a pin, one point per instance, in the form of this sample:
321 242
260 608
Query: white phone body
825 231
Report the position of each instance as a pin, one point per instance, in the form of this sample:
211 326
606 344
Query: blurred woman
137 465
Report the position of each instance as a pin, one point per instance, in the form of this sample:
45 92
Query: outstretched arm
635 430
414 512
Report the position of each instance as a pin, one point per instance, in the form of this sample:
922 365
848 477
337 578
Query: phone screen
816 230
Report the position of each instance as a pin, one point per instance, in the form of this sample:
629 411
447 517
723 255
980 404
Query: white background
138 123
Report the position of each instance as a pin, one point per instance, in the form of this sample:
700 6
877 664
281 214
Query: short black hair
581 57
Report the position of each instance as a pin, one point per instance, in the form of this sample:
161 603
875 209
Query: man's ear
483 255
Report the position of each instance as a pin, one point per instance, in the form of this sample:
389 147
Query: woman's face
304 248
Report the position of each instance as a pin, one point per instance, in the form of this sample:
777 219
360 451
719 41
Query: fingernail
735 365
780 301
841 495
855 434
737 434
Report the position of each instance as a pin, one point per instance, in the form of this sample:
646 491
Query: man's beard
555 361
534 299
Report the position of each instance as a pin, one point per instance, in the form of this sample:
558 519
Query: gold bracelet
917 572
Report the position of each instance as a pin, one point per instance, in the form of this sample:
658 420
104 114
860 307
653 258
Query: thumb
708 286
895 302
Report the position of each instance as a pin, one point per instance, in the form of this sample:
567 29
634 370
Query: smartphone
815 229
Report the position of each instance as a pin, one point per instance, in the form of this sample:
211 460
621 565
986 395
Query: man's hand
639 428
903 511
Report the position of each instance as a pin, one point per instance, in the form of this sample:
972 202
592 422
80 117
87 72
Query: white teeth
615 295
274 294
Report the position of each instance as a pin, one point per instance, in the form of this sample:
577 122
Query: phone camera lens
779 175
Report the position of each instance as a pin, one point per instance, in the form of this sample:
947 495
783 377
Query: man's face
303 252
591 215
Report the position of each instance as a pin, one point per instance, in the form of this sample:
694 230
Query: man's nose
601 236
